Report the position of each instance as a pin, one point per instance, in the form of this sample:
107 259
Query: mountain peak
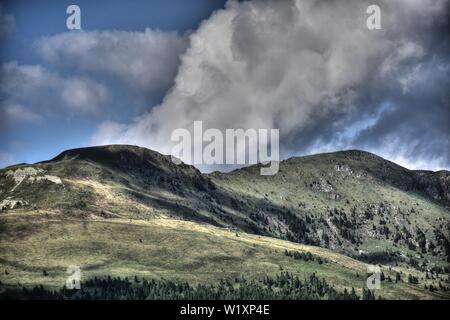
96 152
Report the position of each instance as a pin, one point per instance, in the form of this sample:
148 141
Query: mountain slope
355 203
107 181
347 201
172 250
435 184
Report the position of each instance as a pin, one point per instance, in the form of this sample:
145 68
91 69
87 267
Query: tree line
283 286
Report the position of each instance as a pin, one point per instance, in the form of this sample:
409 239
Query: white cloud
294 65
144 61
30 91
18 113
108 133
83 94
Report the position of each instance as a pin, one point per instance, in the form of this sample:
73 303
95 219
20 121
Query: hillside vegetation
125 211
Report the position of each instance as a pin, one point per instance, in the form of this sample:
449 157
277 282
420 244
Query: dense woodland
284 286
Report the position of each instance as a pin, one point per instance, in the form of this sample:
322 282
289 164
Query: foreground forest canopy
284 287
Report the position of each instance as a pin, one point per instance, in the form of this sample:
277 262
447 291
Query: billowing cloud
109 132
145 62
83 94
315 71
140 64
29 92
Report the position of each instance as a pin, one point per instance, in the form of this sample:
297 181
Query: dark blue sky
33 141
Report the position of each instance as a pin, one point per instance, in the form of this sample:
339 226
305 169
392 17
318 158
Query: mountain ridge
303 193
422 178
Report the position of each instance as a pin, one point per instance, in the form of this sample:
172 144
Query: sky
31 132
140 69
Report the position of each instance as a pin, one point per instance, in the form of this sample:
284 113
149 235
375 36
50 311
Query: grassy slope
163 248
372 181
